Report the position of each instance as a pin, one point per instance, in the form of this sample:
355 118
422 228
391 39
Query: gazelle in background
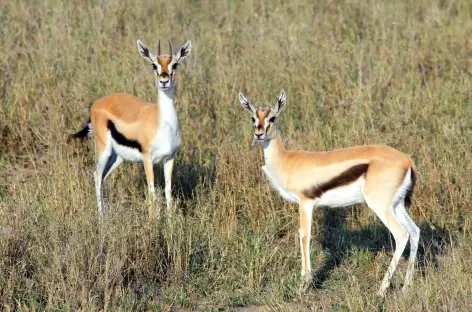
379 176
128 128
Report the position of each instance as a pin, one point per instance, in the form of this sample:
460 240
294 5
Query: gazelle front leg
168 167
304 232
148 170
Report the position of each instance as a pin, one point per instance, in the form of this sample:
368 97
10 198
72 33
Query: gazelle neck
165 97
274 151
165 101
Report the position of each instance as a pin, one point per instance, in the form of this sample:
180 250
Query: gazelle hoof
382 292
405 287
304 284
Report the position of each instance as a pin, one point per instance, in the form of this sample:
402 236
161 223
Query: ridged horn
158 47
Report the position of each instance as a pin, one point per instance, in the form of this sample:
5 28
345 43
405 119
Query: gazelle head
264 119
165 65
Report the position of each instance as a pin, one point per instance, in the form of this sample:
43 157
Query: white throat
272 159
165 101
270 152
167 140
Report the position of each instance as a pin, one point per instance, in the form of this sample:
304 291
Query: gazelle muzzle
164 81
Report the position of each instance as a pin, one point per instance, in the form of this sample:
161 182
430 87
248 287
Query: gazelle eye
154 66
174 67
253 119
272 119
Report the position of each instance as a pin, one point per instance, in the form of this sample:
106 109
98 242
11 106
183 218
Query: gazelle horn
170 48
158 47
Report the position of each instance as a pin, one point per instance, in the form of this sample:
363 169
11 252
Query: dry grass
356 72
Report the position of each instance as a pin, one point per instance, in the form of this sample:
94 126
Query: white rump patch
401 193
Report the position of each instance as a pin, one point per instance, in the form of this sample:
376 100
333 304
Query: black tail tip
82 134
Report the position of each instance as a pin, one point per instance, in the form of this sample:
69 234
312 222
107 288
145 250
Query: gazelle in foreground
379 176
128 128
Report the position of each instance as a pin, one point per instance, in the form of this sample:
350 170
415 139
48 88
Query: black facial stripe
111 160
121 139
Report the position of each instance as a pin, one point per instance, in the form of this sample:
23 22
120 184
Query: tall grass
356 72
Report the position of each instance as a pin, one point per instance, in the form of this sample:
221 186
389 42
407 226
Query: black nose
259 135
164 78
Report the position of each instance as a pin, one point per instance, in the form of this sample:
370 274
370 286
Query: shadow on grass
337 240
187 178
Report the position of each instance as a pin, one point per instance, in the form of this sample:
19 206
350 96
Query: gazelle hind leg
103 171
98 191
108 161
101 150
414 233
98 177
118 160
384 210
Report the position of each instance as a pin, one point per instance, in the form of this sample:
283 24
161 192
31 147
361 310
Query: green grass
355 72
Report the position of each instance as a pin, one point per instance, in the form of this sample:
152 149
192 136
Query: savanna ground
356 72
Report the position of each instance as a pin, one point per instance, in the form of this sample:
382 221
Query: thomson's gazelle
379 176
128 128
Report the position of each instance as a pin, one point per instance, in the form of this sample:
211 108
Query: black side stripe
346 177
111 160
121 139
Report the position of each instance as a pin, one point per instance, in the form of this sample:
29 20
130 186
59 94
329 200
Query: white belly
166 143
344 196
278 186
127 153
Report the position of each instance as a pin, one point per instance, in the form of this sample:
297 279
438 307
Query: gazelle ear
245 103
184 51
144 51
281 100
